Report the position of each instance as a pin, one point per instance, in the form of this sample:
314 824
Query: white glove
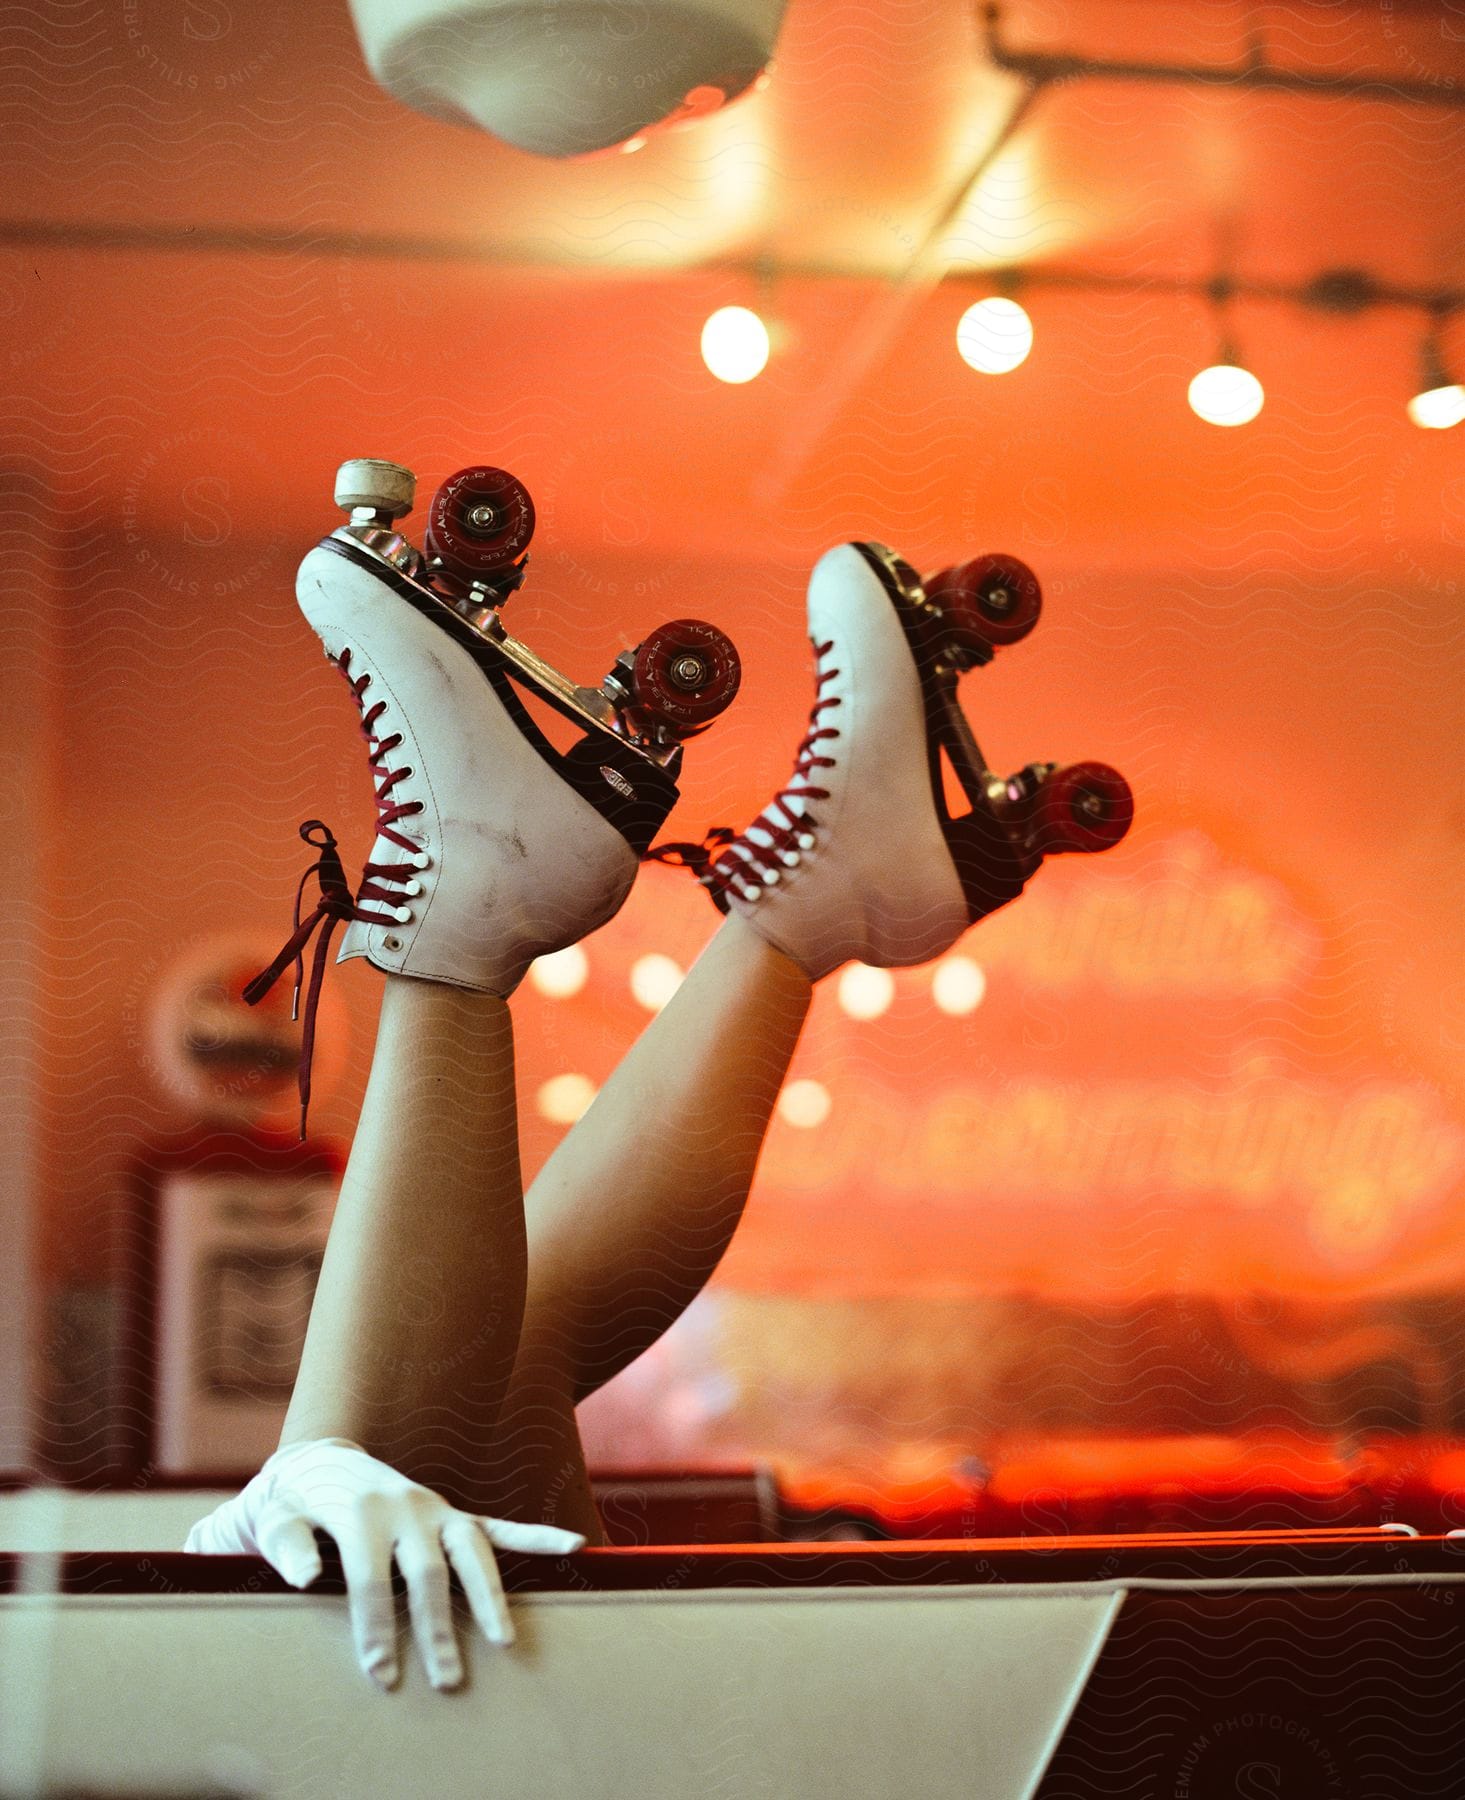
374 1514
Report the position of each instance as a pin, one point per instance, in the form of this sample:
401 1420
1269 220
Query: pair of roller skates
494 846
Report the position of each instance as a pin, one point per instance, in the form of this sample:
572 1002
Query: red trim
952 1563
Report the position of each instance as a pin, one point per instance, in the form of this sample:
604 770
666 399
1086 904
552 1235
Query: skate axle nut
683 676
689 673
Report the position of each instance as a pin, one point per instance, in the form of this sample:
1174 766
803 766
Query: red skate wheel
480 522
1085 807
995 599
685 674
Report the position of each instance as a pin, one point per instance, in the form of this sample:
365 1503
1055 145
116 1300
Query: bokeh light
994 336
1226 395
958 986
561 973
865 993
735 344
805 1104
654 979
563 1098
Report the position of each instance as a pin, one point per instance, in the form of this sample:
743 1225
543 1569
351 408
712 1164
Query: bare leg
632 1212
421 1293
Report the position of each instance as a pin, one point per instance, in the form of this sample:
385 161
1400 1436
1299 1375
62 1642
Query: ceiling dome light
735 344
994 336
566 80
865 993
561 973
1226 394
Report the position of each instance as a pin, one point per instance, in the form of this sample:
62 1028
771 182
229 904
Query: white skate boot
492 846
859 857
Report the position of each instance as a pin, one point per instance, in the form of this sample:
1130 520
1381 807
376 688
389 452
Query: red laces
379 885
747 859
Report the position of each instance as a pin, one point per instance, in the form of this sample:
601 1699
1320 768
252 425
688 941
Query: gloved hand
374 1514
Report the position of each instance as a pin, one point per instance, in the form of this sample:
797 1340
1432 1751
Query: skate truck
474 557
958 620
446 731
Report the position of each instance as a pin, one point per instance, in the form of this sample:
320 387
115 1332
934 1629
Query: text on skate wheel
1087 806
685 674
994 599
480 522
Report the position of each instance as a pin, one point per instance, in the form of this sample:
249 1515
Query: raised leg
856 856
421 1293
631 1214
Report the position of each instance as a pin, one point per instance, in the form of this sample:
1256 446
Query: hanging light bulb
1440 402
994 336
735 344
1226 393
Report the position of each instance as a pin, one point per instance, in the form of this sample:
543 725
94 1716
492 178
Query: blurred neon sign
1180 920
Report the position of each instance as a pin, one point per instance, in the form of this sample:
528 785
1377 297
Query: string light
958 986
994 336
1226 394
1440 403
735 344
865 993
564 1098
1439 408
654 979
805 1104
561 973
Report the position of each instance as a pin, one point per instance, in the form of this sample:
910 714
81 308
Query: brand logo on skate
618 782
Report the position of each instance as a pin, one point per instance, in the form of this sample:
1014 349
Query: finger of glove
472 1556
287 1541
367 1567
221 1533
430 1601
535 1540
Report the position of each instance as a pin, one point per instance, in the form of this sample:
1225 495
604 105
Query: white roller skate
858 857
492 846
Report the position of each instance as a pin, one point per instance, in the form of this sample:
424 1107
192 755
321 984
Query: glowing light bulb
865 993
1438 408
561 973
563 1098
1226 395
805 1104
735 344
994 336
958 985
654 979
